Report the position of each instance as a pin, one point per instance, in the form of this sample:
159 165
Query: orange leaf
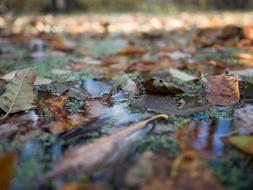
7 164
222 90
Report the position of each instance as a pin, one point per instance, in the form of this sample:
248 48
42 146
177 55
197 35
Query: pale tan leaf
19 95
181 75
38 81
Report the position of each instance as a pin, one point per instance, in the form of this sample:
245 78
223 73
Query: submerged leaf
222 90
99 153
19 95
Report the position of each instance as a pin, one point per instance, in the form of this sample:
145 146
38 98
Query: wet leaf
243 120
221 90
7 165
168 105
68 123
160 86
19 95
99 153
243 143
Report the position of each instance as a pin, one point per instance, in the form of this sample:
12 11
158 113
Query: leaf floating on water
243 143
7 164
222 90
99 153
19 95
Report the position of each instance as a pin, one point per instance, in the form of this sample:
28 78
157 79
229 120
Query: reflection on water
95 88
205 136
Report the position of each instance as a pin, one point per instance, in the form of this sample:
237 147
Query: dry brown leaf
132 50
141 66
248 32
19 95
7 164
38 81
221 90
99 153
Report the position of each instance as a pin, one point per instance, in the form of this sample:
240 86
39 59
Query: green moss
74 106
47 114
156 142
233 171
214 113
179 121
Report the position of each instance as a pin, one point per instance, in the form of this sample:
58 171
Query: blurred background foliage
120 5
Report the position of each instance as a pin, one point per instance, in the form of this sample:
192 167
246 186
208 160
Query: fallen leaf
243 143
243 120
6 130
245 58
19 95
168 105
229 32
181 75
131 50
221 90
141 66
38 81
7 165
99 153
68 123
248 32
160 86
